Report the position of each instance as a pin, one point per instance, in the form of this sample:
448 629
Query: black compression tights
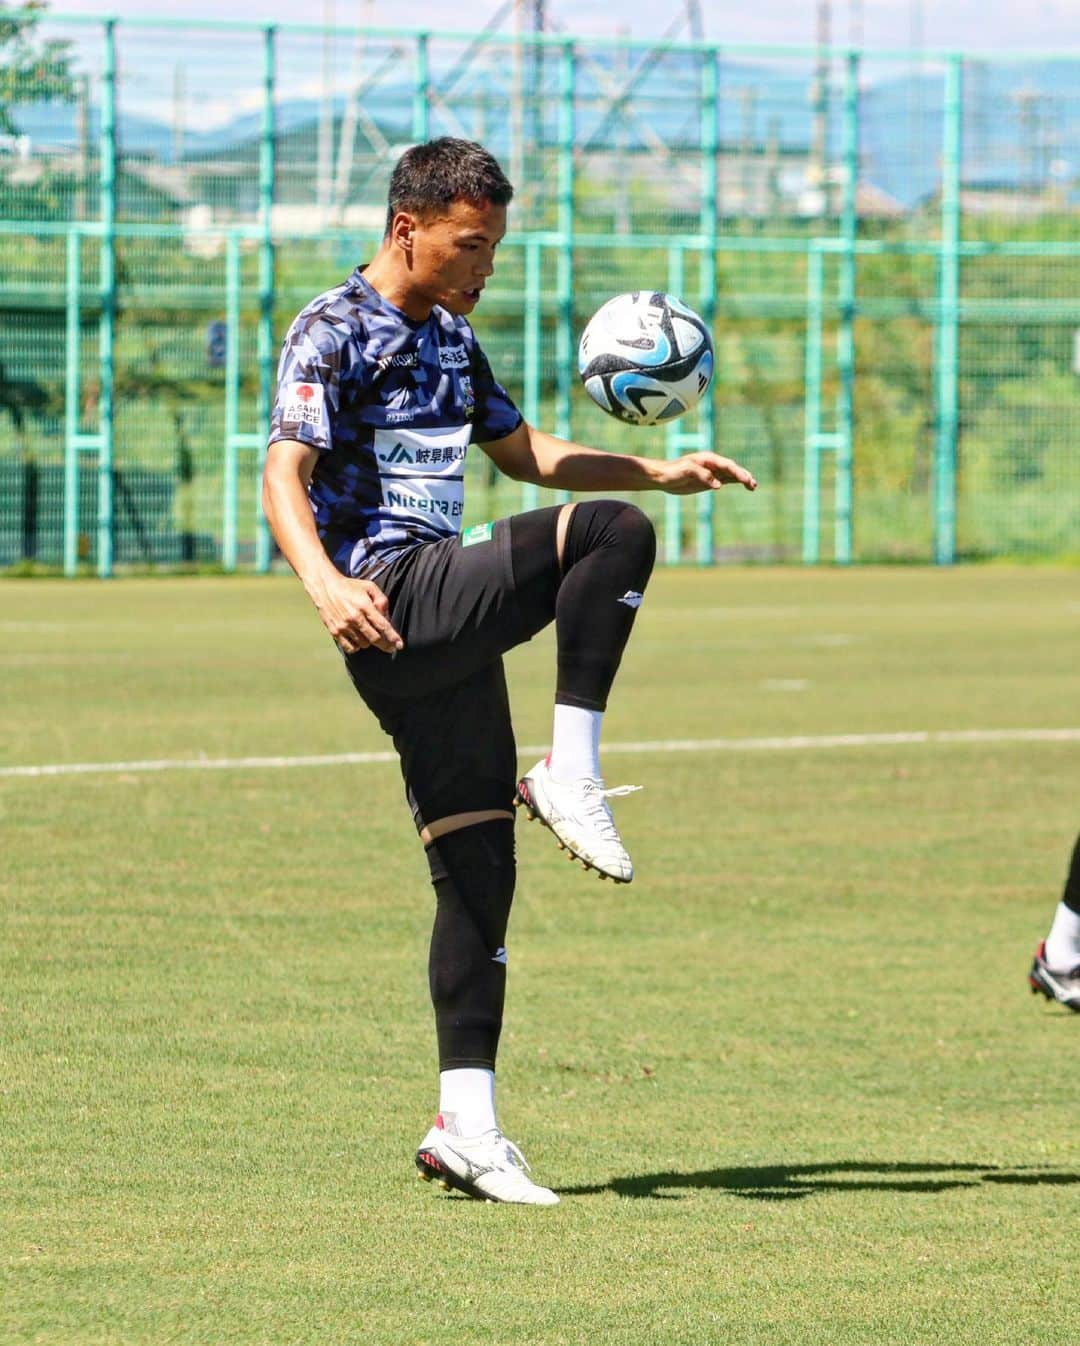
608 557
607 560
472 871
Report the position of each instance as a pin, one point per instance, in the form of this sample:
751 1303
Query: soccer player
1056 968
382 387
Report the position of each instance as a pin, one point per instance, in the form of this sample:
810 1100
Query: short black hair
429 178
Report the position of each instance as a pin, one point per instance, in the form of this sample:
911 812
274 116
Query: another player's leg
606 557
1055 971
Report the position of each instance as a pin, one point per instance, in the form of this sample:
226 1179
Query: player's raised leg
1055 970
606 557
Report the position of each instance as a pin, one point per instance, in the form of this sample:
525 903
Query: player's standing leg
473 874
458 762
606 553
1055 971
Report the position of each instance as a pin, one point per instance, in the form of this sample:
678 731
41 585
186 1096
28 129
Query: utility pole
621 62
325 148
855 23
526 121
82 140
916 128
819 145
179 105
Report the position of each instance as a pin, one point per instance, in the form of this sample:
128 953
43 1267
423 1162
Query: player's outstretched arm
532 455
355 612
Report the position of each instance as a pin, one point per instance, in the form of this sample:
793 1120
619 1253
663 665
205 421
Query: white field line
795 743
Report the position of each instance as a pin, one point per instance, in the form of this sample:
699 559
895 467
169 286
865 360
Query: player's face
453 256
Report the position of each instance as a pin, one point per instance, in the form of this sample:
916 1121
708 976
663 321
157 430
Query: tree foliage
32 69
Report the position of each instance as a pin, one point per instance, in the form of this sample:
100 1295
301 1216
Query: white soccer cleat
577 812
487 1167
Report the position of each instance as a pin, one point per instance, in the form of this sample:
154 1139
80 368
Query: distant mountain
1021 121
54 125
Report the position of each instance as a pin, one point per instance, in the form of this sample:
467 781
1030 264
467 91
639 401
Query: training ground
790 1084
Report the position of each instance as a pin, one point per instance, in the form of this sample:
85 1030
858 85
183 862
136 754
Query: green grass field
790 1084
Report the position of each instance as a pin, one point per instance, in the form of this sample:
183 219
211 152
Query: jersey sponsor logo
302 403
434 452
453 357
402 360
398 417
438 458
431 499
631 598
479 532
421 473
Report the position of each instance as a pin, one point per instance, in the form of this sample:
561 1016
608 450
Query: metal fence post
230 493
564 334
815 288
710 141
948 334
72 400
530 493
845 347
267 152
107 322
676 279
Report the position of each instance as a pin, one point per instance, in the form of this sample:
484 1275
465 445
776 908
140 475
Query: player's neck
388 275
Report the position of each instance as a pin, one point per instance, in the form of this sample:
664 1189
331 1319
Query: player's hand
695 472
356 613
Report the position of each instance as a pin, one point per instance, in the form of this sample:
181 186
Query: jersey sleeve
309 383
496 416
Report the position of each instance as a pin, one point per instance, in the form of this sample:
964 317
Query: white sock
467 1100
575 743
1063 941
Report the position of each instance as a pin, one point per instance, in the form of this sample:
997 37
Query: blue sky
1046 25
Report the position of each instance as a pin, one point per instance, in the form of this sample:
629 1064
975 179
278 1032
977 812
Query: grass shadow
793 1182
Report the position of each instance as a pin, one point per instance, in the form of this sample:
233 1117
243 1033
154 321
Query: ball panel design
645 357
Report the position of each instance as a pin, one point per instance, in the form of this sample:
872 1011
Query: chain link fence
885 245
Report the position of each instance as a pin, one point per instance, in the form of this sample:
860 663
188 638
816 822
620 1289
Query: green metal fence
885 245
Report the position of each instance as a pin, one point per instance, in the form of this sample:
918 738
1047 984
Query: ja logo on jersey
398 454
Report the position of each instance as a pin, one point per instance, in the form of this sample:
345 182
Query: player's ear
402 228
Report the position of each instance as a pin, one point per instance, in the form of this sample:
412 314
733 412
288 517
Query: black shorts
459 605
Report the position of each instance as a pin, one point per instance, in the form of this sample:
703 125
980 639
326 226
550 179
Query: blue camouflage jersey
391 404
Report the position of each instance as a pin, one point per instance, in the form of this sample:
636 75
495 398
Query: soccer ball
645 357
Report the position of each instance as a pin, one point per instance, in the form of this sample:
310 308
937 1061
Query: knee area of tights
634 533
608 523
481 849
634 523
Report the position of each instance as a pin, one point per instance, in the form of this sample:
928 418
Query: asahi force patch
302 404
